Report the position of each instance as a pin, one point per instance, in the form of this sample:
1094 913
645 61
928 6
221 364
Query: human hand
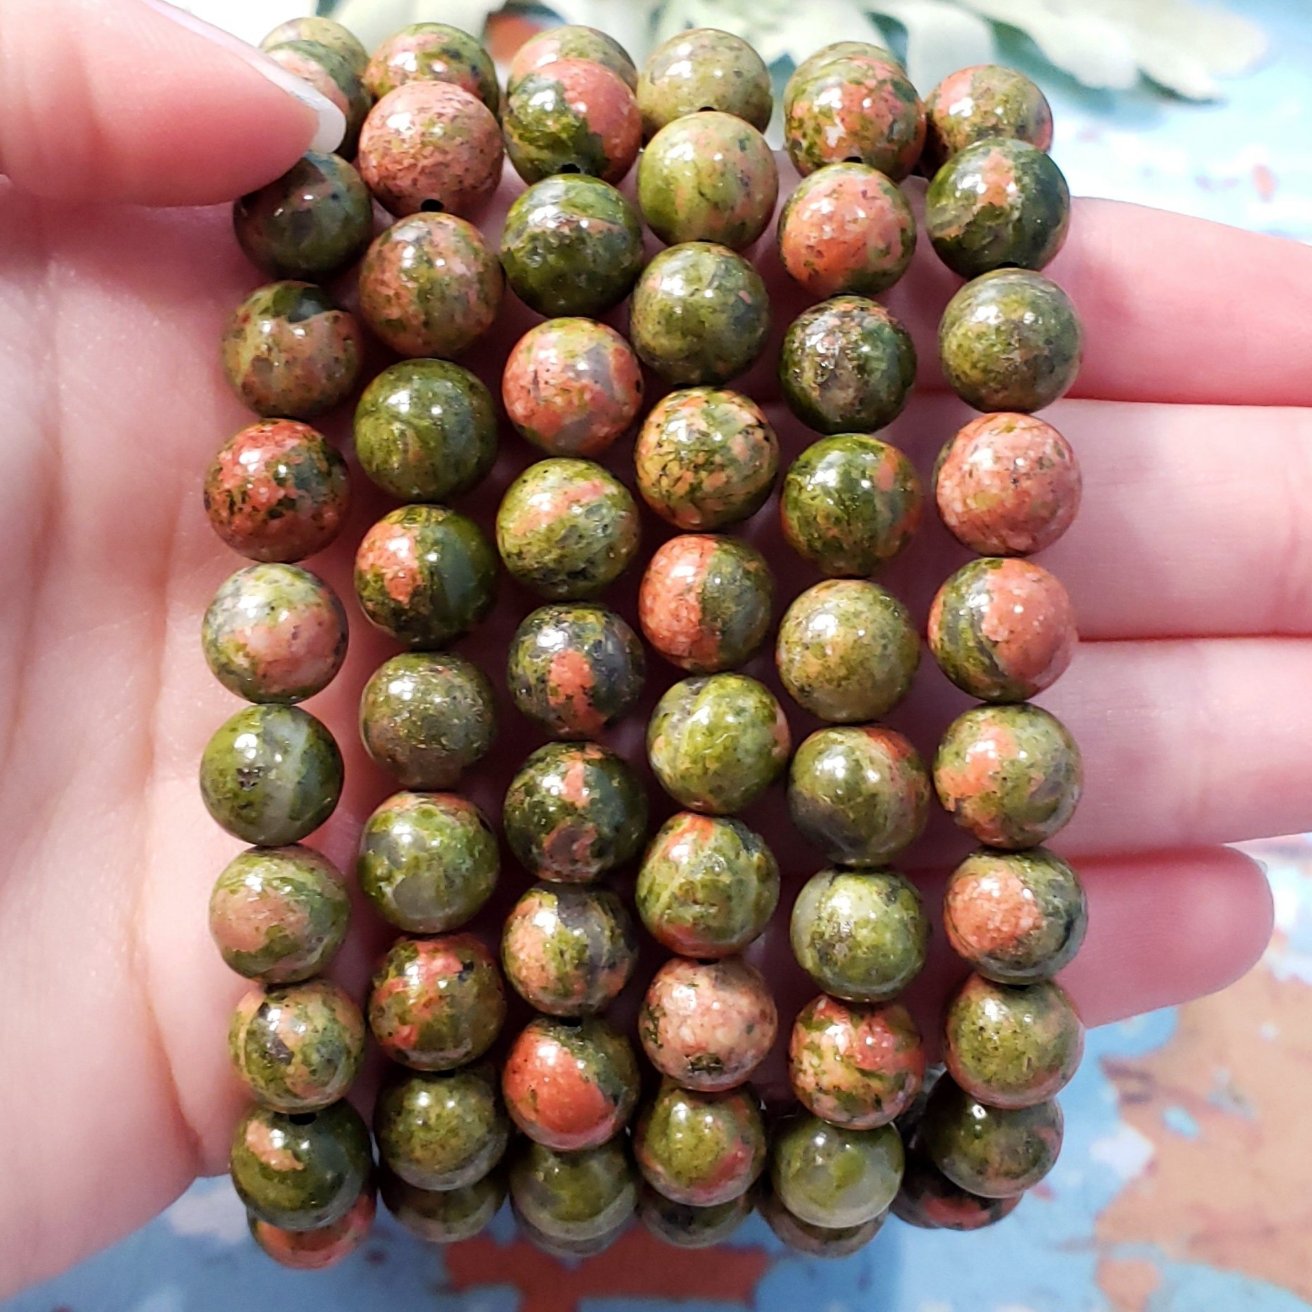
1189 567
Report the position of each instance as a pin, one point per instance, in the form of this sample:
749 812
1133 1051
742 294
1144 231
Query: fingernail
331 121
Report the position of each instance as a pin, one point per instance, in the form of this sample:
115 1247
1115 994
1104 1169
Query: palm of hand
117 1003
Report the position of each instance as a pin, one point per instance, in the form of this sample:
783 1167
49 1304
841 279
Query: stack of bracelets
556 1116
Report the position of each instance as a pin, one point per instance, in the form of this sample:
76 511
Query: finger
131 100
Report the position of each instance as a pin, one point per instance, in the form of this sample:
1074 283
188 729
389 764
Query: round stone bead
700 314
997 203
846 228
704 68
428 861
847 365
271 774
822 1241
705 458
568 1249
573 1196
574 669
571 245
274 633
568 951
855 109
1016 917
426 717
831 1175
717 743
847 650
431 146
860 935
302 1170
1010 775
707 886
708 177
436 1003
707 1024
325 32
705 602
433 52
833 53
1002 629
850 503
444 1216
1010 340
572 41
567 529
425 575
855 1066
1011 1045
279 914
700 1149
573 116
440 1131
290 351
316 1250
991 1152
930 1201
312 222
692 1227
570 1084
277 491
572 386
859 794
334 72
430 286
1007 485
426 430
574 812
985 100
296 1047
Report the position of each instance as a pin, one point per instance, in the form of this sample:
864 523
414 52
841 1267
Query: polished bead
821 1241
444 1216
322 1247
699 69
985 100
433 52
832 1176
573 1196
326 32
692 1227
572 41
333 70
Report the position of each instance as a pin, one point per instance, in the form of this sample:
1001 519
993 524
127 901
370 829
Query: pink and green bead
318 1249
571 41
928 1200
699 69
323 31
333 69
433 52
985 100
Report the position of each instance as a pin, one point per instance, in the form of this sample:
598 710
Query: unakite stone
930 1201
684 1226
440 1131
312 222
571 245
573 1196
314 1250
444 1216
428 861
821 1241
717 743
700 69
433 52
860 935
572 41
985 100
302 1170
833 53
326 32
297 1047
332 68
568 1249
271 774
426 430
832 1176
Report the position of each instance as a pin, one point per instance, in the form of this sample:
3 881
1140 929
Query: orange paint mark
1129 1283
1264 181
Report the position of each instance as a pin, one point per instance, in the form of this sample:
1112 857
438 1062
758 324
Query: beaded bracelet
460 1100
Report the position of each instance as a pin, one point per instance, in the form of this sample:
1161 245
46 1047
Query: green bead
991 1152
297 1047
704 68
327 32
860 935
846 366
270 775
850 504
997 203
832 1176
426 430
425 575
717 743
700 314
817 1240
568 1249
847 651
304 1170
427 717
574 812
832 53
707 886
433 52
1010 340
571 246
573 1195
692 1227
444 1216
428 861
440 1131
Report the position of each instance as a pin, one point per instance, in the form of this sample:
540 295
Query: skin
1199 914
683 1226
576 1196
572 41
443 1216
433 52
703 68
815 1240
832 1176
315 1250
333 71
985 100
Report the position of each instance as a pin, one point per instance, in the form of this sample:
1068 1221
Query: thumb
134 100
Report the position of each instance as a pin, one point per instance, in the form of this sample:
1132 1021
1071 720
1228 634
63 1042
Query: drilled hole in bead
570 168
431 206
707 109
301 1118
852 159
